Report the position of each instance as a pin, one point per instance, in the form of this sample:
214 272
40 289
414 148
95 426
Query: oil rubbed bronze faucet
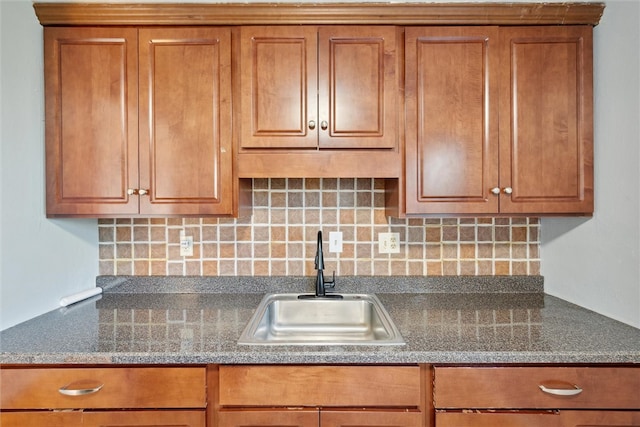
321 284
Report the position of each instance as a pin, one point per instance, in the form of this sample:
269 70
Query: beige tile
209 268
158 268
227 267
287 214
398 268
501 268
467 268
227 250
261 268
449 268
106 234
106 268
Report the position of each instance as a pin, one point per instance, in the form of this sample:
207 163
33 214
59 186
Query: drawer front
60 388
506 387
180 418
388 386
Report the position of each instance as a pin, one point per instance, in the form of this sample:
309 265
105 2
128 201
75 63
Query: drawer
345 386
139 387
519 387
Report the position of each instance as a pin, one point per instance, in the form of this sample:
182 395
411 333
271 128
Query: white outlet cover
335 241
186 245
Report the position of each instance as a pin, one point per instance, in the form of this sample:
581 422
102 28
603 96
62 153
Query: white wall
41 260
595 263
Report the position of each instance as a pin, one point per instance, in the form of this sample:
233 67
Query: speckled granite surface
197 321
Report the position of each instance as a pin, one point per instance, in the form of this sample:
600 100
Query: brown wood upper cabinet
305 89
138 121
499 120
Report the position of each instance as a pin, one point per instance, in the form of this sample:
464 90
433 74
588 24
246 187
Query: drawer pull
562 391
80 388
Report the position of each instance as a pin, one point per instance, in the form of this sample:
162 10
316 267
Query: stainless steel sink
356 319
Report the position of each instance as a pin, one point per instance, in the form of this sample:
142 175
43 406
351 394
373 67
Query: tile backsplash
279 239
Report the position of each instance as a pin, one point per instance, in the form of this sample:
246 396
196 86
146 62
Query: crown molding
140 14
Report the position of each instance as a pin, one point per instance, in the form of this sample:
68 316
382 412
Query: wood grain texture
185 114
325 386
91 120
518 387
122 388
546 119
307 13
452 119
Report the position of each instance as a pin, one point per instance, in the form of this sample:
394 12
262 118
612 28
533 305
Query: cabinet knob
137 191
495 190
507 190
324 125
312 124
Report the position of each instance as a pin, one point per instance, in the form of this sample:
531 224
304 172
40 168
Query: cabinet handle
507 190
312 124
79 391
324 125
143 192
132 191
495 190
562 391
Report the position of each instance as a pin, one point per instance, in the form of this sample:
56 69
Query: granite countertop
199 320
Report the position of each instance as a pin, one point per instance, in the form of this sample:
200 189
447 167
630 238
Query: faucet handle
331 283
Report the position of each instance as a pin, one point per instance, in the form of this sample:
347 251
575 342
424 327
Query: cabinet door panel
546 109
600 419
372 418
41 419
162 418
585 418
452 125
268 418
91 79
357 87
185 135
278 87
492 419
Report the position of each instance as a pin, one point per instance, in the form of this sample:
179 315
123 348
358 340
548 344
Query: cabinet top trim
79 14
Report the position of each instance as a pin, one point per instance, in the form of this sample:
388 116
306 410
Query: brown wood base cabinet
537 396
326 396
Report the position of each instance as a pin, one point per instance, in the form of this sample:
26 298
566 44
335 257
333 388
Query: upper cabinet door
318 87
357 87
452 119
91 78
546 120
278 79
185 121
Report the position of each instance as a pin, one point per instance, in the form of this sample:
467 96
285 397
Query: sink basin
356 319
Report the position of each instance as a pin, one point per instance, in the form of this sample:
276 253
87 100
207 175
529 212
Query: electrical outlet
335 241
186 245
389 243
